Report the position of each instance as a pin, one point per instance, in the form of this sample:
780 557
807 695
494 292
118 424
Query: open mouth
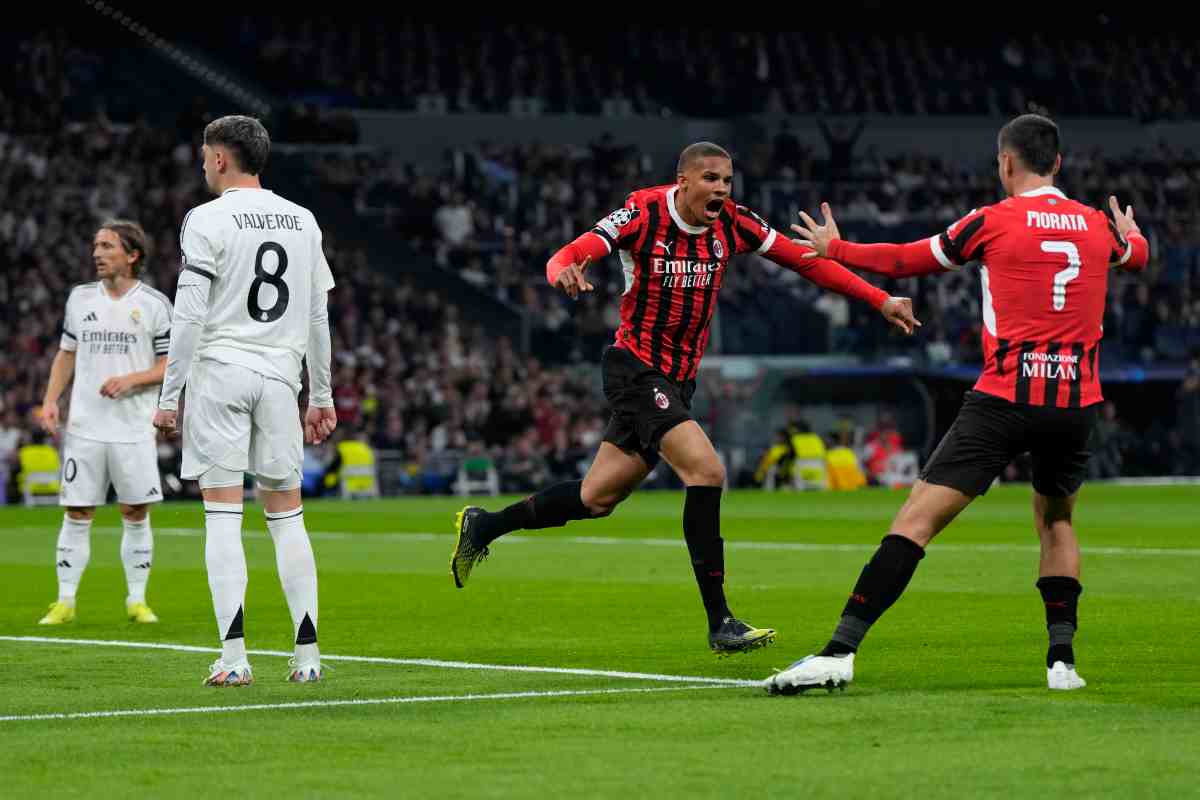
712 209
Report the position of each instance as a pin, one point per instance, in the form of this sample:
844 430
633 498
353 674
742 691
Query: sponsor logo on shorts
153 492
661 400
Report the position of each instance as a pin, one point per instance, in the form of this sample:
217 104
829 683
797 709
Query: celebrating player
1044 268
251 305
675 243
114 344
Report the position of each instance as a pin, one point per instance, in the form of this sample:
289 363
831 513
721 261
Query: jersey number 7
1064 276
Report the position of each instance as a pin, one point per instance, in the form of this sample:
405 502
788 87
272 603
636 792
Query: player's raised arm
566 269
922 257
833 276
1131 251
321 418
191 313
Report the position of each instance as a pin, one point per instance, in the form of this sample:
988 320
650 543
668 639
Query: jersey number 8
261 276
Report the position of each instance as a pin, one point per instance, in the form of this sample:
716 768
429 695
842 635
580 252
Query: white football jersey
113 337
263 255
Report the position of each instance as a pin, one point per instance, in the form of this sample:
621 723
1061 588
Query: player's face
1004 166
110 256
705 186
212 168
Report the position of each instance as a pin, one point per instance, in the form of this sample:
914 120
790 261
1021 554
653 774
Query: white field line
800 547
449 698
409 662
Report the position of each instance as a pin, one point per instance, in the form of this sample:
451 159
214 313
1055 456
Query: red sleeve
893 260
589 244
1130 253
823 272
1137 255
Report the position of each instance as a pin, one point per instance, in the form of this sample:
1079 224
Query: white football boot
1064 677
832 672
221 674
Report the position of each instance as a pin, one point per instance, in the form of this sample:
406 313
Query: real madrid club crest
718 249
136 316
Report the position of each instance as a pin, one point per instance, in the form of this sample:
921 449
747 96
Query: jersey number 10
1062 277
261 276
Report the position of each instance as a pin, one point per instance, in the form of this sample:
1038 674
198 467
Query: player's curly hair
245 137
133 239
1034 139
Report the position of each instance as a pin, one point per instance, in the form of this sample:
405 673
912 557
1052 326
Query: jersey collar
678 220
1041 190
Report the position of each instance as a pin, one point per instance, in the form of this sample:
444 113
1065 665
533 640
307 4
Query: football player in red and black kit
674 243
1044 262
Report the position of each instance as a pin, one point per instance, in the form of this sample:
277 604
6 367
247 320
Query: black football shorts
645 403
990 432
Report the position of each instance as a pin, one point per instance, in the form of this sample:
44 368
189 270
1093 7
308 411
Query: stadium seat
38 479
902 470
477 475
845 473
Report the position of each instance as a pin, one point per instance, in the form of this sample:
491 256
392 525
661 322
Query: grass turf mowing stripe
447 698
410 662
814 547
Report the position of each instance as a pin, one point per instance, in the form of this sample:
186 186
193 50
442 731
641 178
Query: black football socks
702 532
879 585
549 508
1061 598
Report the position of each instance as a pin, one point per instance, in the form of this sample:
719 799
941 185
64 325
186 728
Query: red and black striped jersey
1044 262
673 272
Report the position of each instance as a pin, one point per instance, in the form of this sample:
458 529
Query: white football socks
137 551
74 550
298 574
226 562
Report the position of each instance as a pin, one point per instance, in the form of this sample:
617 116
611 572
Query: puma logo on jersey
662 244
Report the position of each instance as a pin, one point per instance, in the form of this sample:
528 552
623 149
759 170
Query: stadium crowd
640 70
415 376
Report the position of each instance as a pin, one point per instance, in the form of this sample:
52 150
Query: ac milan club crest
661 400
718 249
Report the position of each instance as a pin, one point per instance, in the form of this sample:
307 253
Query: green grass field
950 698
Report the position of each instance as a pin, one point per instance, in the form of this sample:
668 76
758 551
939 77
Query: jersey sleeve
1130 253
621 228
751 232
69 340
199 251
323 277
162 328
962 242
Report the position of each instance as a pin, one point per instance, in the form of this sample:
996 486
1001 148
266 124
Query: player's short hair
1034 139
133 239
700 150
245 137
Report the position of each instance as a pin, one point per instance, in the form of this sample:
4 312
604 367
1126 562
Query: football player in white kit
250 306
114 344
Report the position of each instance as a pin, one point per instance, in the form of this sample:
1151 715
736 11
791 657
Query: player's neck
1028 183
117 286
685 213
241 182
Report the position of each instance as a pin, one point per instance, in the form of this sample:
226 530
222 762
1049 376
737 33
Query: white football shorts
89 466
242 421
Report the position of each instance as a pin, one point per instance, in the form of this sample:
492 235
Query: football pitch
575 663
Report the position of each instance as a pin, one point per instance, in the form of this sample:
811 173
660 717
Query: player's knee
1052 513
81 514
601 503
134 513
708 474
